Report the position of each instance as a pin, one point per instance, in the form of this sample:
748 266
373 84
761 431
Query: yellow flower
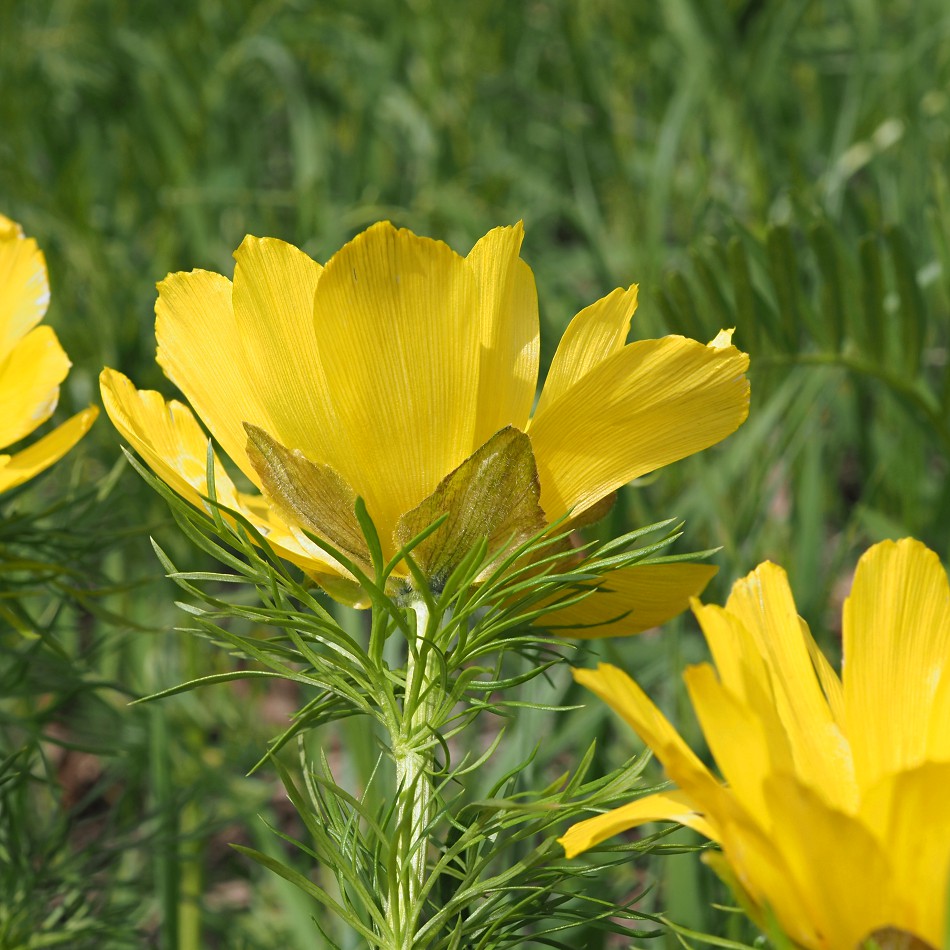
405 374
835 818
32 363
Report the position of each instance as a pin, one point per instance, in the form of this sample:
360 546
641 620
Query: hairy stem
412 753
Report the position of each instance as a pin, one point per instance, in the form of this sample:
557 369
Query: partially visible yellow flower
32 363
835 818
405 374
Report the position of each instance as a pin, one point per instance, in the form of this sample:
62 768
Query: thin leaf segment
420 859
862 761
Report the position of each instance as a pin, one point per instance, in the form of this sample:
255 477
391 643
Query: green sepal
893 938
494 494
314 495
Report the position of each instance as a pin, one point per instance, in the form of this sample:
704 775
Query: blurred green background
780 167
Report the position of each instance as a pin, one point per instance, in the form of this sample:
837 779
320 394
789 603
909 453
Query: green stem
166 855
412 754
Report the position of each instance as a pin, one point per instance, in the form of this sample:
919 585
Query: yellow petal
719 864
597 332
9 228
170 441
393 314
738 661
631 600
652 403
274 284
664 806
911 813
24 287
200 350
507 313
827 677
938 738
29 383
590 516
762 602
722 339
746 746
623 695
839 871
166 435
896 654
747 694
19 468
760 878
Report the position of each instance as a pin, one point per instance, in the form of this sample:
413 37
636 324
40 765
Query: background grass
777 166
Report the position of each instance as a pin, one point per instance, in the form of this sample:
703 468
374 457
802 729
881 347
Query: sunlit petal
167 436
631 600
762 602
29 383
838 867
911 809
24 286
741 670
900 597
664 806
745 749
274 285
938 734
200 350
834 845
760 872
507 313
23 465
623 695
650 404
399 360
597 332
393 314
829 680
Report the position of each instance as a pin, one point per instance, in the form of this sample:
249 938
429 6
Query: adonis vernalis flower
405 374
32 363
835 819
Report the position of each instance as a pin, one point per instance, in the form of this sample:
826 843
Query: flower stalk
412 755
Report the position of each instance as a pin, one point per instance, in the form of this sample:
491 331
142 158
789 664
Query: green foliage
772 166
63 817
850 392
418 857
